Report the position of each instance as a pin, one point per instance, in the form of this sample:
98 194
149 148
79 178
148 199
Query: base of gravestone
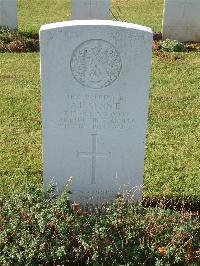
101 208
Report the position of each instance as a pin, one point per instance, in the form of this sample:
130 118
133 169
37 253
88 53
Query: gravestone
8 13
90 9
95 83
181 20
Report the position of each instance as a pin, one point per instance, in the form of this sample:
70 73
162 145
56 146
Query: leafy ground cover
13 41
38 228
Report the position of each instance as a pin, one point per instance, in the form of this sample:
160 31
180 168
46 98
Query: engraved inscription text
95 112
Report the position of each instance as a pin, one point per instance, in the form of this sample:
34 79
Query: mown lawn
172 149
32 14
20 131
173 146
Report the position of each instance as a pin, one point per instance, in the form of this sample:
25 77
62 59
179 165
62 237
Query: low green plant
40 228
171 46
14 41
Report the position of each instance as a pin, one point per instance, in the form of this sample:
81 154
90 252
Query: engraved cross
94 155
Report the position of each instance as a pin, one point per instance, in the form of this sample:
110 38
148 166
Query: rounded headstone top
95 22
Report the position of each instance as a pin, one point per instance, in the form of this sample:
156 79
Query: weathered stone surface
90 9
95 83
8 13
181 20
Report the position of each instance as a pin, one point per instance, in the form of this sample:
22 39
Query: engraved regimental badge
96 64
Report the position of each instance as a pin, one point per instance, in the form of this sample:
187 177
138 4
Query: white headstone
181 20
8 13
90 9
95 83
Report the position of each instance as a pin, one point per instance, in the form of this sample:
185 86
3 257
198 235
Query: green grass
144 12
32 14
172 153
20 131
172 149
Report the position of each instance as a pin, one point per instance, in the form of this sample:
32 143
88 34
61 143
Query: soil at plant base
173 204
14 41
192 46
157 36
